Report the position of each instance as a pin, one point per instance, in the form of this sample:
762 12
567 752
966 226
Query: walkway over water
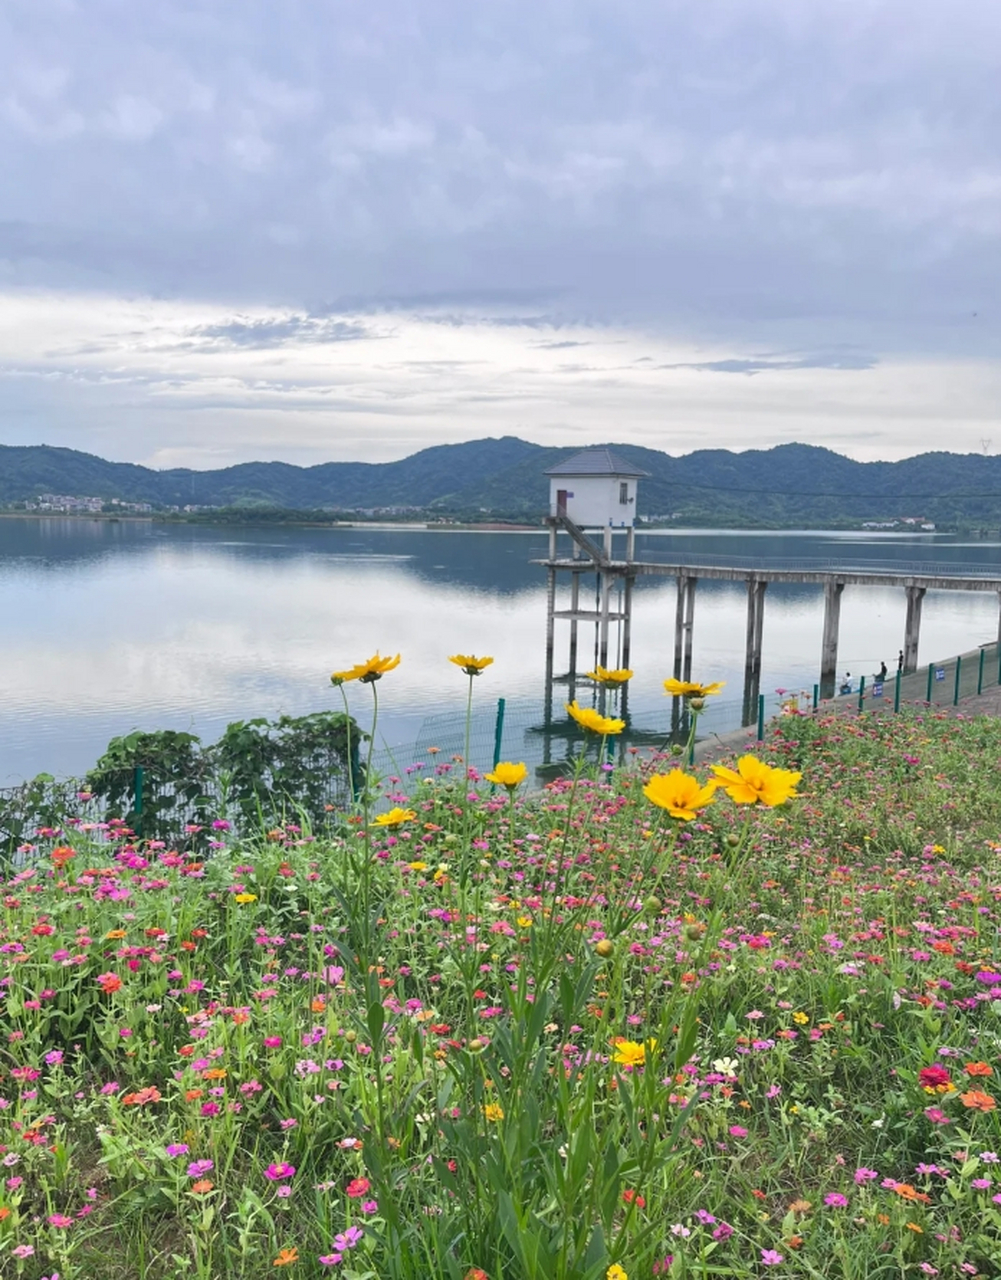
590 556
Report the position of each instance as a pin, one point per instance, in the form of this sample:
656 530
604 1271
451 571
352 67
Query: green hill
790 485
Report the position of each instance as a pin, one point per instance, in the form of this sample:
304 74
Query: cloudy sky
323 229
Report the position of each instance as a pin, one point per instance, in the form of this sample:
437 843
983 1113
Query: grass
570 1037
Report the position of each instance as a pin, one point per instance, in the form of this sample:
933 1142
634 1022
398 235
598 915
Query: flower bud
350 1036
652 905
604 948
696 704
476 1045
732 840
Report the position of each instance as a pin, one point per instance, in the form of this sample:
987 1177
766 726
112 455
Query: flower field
640 1023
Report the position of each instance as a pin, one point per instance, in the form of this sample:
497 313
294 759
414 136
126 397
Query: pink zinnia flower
277 1171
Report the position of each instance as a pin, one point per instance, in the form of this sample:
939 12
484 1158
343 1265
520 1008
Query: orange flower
286 1258
978 1069
977 1100
911 1193
4 1213
202 1187
114 934
61 855
913 1226
795 1242
193 1094
150 1094
215 1073
318 1004
110 982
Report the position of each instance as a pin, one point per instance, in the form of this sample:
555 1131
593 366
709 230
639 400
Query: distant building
596 489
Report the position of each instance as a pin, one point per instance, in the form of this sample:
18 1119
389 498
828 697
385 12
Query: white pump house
595 489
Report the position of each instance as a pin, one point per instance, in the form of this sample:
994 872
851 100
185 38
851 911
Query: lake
106 627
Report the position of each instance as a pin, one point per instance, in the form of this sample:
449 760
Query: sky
316 230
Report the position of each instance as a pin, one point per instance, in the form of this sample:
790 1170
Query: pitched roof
595 462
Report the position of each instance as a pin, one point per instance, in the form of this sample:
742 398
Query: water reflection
105 627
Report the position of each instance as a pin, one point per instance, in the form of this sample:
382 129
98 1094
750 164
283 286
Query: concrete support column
631 544
627 620
912 627
552 542
752 656
550 638
574 606
829 644
689 627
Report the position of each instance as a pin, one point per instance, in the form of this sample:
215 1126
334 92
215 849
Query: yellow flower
755 780
245 897
366 672
630 1053
524 922
588 718
472 666
801 1018
395 818
600 675
493 1112
507 775
689 689
417 866
679 793
615 1272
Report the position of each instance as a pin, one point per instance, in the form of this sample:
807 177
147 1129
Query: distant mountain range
787 486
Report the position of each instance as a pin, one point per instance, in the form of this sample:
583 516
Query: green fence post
498 731
816 696
137 796
861 691
931 677
980 673
896 693
761 717
955 694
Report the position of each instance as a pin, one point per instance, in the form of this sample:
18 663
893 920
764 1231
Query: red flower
357 1188
630 1197
109 982
933 1077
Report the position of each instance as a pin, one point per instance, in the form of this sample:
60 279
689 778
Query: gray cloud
696 160
817 181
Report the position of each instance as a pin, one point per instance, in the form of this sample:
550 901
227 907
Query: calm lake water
109 627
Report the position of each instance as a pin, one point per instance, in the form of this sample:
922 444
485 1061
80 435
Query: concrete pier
829 641
912 627
590 556
752 653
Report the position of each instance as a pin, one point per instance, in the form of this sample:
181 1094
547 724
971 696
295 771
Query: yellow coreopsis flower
394 818
690 689
493 1112
366 672
243 898
679 793
601 675
615 1272
754 782
506 774
588 718
631 1053
471 665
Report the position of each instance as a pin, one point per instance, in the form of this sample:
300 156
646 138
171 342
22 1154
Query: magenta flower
771 1258
177 1149
59 1220
276 1172
836 1200
865 1175
272 1042
199 1167
738 1131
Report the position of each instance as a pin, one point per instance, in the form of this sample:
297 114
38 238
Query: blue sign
877 690
940 673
